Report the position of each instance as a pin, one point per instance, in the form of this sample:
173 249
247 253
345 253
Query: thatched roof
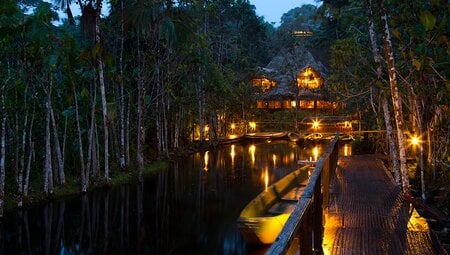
284 69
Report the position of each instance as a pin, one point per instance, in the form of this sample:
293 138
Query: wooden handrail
305 221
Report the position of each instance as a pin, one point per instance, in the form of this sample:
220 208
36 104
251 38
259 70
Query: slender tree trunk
140 133
30 155
122 161
2 154
391 140
84 178
384 102
48 177
396 100
127 134
140 115
102 92
22 157
59 156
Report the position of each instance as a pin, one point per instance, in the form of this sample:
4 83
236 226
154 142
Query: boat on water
266 135
263 218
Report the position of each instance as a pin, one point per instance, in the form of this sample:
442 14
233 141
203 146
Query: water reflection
266 178
206 160
251 150
347 150
315 152
233 154
190 208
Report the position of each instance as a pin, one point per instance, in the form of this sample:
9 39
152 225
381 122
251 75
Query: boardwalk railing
305 221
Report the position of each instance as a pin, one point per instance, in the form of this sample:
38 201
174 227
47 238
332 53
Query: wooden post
326 181
305 235
317 213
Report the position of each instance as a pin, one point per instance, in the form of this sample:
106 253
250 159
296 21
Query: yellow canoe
263 218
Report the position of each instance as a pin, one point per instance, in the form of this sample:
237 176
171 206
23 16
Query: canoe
263 218
266 135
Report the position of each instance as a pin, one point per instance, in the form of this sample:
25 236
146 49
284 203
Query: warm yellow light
252 149
252 125
233 126
274 159
315 124
415 140
233 154
316 153
293 103
206 160
206 128
266 179
345 150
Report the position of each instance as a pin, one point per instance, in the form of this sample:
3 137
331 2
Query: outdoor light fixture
233 126
252 125
315 124
415 140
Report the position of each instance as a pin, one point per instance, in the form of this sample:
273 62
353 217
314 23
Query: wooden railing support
306 221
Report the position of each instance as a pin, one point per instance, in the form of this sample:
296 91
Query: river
190 208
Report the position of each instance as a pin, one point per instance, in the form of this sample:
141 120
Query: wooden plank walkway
368 214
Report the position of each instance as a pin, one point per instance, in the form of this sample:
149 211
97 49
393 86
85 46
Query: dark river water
190 208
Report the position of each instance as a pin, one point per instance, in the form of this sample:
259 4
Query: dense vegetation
103 95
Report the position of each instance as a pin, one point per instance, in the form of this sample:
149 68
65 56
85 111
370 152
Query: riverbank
72 187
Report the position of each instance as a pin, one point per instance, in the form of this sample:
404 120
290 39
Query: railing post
305 235
317 213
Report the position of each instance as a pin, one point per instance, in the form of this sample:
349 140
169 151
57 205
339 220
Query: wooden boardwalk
368 214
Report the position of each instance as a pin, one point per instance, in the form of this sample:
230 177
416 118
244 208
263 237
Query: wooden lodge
306 93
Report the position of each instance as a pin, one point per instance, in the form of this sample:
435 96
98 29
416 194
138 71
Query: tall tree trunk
84 177
22 158
140 133
102 91
387 116
391 140
396 100
59 156
2 154
30 154
122 162
127 134
48 177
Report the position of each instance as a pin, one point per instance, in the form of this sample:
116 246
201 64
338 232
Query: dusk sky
273 10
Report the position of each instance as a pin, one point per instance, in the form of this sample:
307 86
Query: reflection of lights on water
251 150
233 154
206 160
316 153
266 179
345 150
274 159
